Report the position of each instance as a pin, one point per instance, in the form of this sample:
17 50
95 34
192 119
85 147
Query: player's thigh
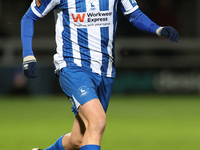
79 85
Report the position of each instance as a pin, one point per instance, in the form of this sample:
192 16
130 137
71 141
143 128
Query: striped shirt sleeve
43 7
128 6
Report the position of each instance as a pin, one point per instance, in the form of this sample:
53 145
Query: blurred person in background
19 85
84 62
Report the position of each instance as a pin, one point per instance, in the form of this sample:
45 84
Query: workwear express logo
103 18
78 17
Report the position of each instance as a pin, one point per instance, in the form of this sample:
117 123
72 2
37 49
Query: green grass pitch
134 122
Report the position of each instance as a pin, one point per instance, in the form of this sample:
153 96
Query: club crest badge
93 5
82 91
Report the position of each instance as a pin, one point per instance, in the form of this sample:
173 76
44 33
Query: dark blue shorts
82 85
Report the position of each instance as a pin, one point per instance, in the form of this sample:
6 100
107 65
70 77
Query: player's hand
170 33
30 66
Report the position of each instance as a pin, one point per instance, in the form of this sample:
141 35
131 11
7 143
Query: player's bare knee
102 125
99 125
101 122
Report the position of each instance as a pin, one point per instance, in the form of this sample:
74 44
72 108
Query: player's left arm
144 23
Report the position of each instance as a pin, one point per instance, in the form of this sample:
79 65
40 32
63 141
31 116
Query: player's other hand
170 33
30 66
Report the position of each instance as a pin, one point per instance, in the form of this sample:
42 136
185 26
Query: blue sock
91 147
57 145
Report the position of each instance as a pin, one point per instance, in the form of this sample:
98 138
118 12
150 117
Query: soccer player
84 62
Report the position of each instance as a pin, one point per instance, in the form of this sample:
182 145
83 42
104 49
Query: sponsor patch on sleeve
38 3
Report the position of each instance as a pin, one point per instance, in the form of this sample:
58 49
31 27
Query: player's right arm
38 9
27 31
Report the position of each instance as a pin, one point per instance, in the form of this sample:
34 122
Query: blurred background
155 100
145 63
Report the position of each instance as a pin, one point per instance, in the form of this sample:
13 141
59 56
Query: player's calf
71 142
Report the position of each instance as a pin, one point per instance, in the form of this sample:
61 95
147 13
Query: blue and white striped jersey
85 31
